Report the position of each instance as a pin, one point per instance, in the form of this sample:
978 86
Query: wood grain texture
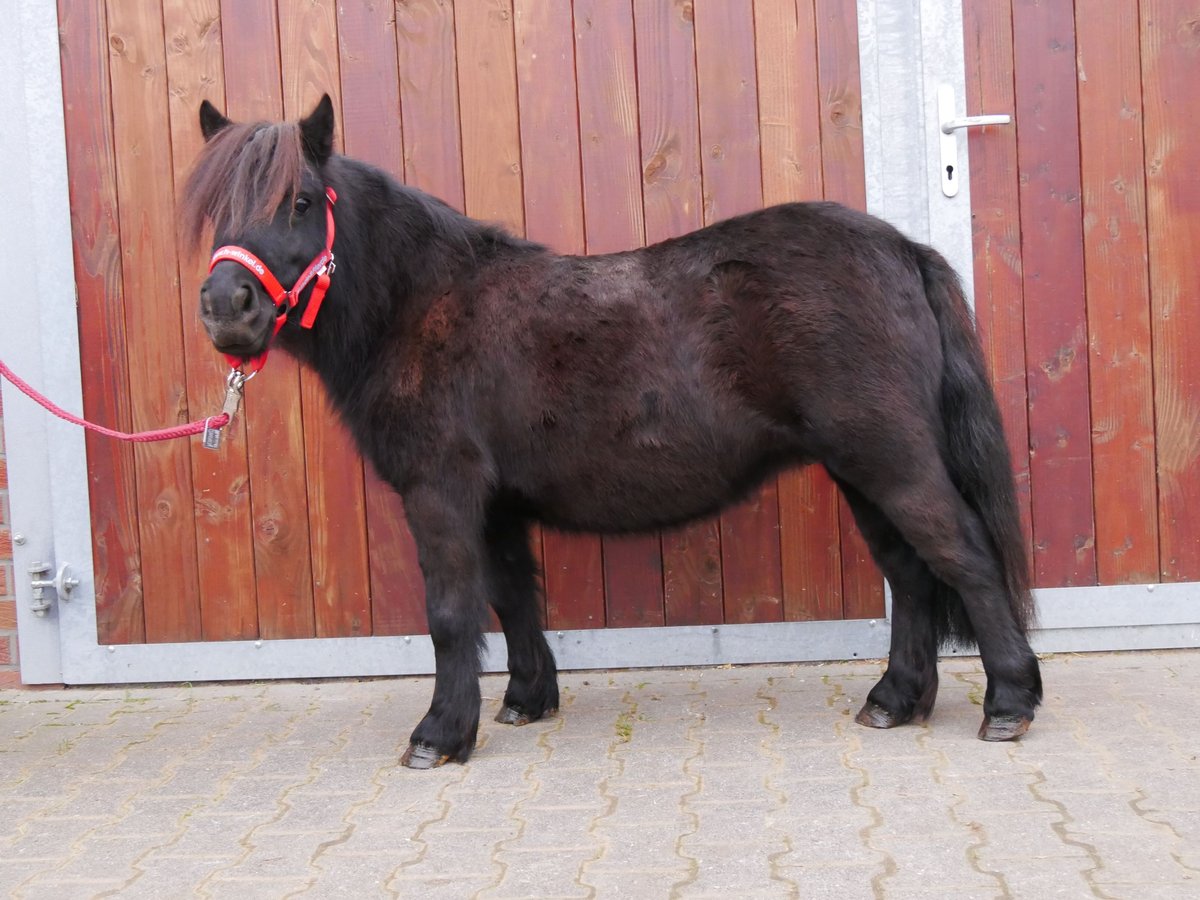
220 479
372 130
843 175
334 471
274 424
789 122
425 53
491 132
672 200
112 489
1170 37
487 96
612 202
996 230
751 569
425 49
1055 315
153 328
1121 378
572 567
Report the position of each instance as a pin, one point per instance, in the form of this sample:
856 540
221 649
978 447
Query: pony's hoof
418 756
1003 728
875 716
510 715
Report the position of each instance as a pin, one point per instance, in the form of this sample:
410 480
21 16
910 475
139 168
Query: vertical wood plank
487 94
1170 35
429 98
789 121
672 200
549 120
425 53
220 479
1118 294
491 138
274 427
996 230
153 327
373 132
87 114
843 173
337 520
1055 317
612 194
727 84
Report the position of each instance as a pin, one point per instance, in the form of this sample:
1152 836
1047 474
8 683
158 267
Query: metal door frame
47 458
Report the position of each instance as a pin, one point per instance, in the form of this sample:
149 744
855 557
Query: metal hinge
63 583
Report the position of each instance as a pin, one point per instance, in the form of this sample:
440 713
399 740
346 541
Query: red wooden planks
843 175
336 502
220 480
372 129
1170 35
751 568
572 572
1055 316
429 98
141 136
87 111
1118 295
789 119
491 139
487 96
996 231
425 53
672 200
612 202
279 501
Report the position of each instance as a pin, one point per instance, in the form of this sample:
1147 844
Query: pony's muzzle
235 311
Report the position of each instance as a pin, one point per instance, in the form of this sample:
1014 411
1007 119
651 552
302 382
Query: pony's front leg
448 534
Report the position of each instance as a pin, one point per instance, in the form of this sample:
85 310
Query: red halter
320 268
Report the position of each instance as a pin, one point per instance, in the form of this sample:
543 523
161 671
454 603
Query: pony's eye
301 205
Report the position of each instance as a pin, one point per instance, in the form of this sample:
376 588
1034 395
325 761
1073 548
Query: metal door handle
951 175
949 126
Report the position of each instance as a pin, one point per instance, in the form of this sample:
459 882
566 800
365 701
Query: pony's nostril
241 299
205 301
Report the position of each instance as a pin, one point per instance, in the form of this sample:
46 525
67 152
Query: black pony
494 384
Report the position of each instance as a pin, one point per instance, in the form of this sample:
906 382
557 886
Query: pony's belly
645 493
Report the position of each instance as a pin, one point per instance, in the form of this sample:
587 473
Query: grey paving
728 782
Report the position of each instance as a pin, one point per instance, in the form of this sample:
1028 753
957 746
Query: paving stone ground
727 782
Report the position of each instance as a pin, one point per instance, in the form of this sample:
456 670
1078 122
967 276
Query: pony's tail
976 452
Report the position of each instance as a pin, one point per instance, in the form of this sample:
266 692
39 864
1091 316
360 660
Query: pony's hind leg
512 589
908 689
925 507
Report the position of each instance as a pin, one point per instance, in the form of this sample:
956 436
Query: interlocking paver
748 782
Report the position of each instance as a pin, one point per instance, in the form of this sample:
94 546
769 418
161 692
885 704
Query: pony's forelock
240 178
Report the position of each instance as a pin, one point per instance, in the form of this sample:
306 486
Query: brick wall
9 676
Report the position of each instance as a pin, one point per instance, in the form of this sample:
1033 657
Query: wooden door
590 126
1086 222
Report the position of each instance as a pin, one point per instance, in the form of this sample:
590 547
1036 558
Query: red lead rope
213 424
321 268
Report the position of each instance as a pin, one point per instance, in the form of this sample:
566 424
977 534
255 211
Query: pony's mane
244 172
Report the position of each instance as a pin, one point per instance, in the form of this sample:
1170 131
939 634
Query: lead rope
210 427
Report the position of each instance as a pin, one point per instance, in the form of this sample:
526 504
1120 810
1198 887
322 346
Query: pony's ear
211 120
317 131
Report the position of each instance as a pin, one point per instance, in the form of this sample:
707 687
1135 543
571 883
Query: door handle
949 126
948 123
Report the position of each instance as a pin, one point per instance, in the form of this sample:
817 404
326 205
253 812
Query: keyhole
949 173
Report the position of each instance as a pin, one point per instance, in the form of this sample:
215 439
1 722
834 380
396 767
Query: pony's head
260 188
